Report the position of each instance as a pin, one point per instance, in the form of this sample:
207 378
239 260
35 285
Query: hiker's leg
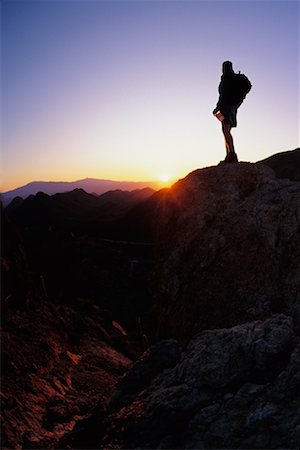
226 128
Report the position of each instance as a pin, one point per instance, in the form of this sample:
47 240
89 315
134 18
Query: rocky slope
59 362
230 388
228 249
75 207
227 284
226 287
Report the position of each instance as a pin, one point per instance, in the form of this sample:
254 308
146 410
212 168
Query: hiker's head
227 67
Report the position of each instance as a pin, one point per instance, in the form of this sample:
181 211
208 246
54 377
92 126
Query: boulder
157 358
227 249
232 388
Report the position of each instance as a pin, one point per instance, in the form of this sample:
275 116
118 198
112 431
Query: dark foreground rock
232 388
51 383
285 164
228 262
58 362
228 249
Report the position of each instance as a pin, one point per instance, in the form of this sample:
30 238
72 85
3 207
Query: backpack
241 88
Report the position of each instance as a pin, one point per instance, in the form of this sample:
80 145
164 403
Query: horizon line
156 182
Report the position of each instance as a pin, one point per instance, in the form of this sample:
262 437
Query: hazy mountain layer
285 165
90 185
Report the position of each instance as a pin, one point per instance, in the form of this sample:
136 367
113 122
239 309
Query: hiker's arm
220 89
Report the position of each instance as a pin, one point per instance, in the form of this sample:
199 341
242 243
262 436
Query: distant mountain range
91 185
285 165
76 207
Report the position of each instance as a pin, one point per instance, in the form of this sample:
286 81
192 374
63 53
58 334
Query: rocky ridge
228 249
227 305
227 284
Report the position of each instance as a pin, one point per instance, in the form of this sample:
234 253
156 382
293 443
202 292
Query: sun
165 177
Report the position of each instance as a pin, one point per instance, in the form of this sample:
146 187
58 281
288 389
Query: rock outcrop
232 388
285 164
58 362
225 371
228 249
227 285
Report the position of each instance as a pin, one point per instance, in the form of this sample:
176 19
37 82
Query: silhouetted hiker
233 88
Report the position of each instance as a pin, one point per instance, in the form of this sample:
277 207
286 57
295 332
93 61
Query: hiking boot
231 157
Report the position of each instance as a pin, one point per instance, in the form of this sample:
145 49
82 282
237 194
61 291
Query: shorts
229 113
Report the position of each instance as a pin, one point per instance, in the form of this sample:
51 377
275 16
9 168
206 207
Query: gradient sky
125 89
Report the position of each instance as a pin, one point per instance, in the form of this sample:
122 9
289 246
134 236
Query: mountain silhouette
224 372
228 246
118 213
155 319
285 165
90 185
75 207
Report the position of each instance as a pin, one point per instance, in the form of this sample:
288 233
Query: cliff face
227 286
228 249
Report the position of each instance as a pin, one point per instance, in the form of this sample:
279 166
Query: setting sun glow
165 178
125 90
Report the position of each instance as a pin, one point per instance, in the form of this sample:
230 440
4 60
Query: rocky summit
109 344
227 285
228 249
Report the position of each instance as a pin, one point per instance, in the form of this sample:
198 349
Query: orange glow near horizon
105 97
164 179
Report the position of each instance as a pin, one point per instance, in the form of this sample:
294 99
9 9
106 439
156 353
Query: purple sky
126 89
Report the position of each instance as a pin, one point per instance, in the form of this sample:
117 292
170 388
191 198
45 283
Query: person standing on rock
233 89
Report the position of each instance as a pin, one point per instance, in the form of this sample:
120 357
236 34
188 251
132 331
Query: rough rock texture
232 388
58 362
50 383
228 249
156 359
285 164
228 262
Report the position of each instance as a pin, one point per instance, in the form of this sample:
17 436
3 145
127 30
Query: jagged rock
219 357
49 385
156 359
228 249
50 381
228 253
232 388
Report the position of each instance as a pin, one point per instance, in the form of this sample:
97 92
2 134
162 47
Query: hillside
75 207
58 361
227 284
90 185
155 320
285 165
